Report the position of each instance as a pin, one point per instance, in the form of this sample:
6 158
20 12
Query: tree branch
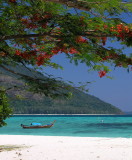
9 70
26 36
80 4
54 36
48 86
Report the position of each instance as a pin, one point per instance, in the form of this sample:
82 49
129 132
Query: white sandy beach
65 148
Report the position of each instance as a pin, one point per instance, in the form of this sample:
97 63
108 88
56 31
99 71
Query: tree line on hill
24 102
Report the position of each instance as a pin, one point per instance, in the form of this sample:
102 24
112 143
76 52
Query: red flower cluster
32 23
28 23
42 58
36 21
103 40
110 56
102 73
56 50
73 51
26 55
122 31
37 17
80 39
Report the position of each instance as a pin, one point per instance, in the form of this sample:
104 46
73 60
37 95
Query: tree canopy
32 32
5 110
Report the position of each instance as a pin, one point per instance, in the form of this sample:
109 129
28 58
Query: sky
116 91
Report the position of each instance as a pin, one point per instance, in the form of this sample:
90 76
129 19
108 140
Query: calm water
77 126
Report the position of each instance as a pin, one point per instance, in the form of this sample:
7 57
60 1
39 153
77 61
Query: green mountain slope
80 103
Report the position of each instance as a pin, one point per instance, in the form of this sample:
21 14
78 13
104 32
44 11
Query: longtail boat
37 125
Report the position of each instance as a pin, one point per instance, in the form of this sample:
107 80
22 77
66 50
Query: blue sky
116 91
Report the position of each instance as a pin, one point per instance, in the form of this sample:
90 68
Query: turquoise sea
72 125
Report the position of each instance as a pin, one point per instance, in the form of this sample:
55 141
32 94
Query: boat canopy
36 124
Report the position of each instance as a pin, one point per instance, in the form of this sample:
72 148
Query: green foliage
32 32
27 18
80 103
5 110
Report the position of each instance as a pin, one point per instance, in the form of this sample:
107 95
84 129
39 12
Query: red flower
104 40
40 60
73 51
102 73
56 50
80 39
18 53
105 26
47 56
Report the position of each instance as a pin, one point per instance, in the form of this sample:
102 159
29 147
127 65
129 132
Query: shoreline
65 148
70 114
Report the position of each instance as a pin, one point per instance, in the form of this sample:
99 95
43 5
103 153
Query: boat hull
37 126
32 127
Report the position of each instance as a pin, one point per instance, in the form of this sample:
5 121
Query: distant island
80 103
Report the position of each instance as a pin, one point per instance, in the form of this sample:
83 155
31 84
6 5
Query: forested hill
80 103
